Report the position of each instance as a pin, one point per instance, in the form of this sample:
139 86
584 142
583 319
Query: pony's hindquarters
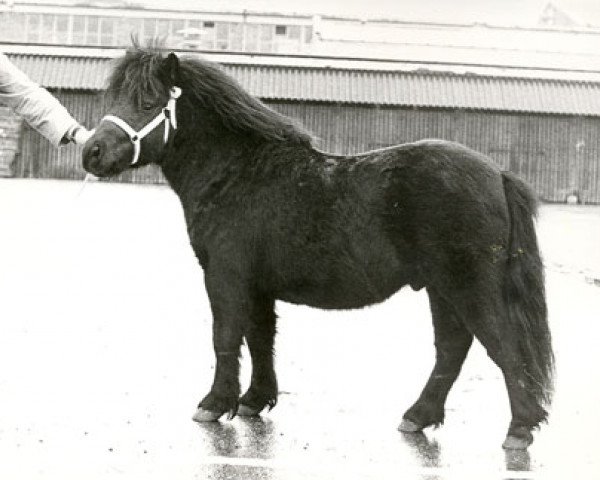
471 232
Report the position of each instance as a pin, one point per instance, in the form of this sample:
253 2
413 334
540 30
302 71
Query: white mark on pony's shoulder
328 168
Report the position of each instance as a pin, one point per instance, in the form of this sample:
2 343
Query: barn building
536 124
529 97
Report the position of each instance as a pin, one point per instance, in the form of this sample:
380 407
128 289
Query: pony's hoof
246 411
202 416
516 443
409 427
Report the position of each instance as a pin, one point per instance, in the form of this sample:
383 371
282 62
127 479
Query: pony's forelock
137 73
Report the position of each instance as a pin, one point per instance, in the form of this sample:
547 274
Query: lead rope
87 178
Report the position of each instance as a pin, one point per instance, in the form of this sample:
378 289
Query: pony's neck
196 161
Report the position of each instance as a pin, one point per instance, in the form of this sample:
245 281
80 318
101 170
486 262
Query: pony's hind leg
452 342
527 412
485 315
260 337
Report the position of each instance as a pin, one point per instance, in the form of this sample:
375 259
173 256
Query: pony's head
151 97
141 115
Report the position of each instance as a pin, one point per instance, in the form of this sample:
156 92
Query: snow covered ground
105 350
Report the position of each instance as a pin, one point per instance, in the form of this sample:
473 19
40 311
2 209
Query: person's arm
37 106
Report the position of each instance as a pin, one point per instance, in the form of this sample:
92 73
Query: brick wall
10 132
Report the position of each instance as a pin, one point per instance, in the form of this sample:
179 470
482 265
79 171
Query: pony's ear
171 68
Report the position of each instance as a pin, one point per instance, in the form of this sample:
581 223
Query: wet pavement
105 350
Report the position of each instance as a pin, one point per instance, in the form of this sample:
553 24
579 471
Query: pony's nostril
95 150
92 156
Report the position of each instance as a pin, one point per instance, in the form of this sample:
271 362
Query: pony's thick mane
138 75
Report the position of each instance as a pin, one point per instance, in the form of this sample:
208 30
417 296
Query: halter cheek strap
167 115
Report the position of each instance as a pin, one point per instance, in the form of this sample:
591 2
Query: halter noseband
167 115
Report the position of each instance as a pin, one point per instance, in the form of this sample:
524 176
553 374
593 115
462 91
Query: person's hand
82 135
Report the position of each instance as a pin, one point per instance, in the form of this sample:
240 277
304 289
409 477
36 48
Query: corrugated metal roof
75 73
387 88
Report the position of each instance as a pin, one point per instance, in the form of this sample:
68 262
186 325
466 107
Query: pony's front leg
230 308
260 337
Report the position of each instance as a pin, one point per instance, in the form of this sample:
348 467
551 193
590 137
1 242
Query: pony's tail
524 290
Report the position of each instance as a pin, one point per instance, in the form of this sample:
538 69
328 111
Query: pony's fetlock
518 438
217 405
254 401
423 417
408 426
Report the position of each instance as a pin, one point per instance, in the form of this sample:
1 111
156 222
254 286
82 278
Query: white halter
167 115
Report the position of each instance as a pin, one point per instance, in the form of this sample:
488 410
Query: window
47 33
308 33
93 25
126 28
13 27
222 36
33 27
176 25
61 33
294 32
280 30
162 29
266 38
251 38
149 29
78 35
191 34
107 31
175 38
208 37
236 37
288 42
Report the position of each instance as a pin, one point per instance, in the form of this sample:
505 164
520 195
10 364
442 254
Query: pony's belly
338 297
323 303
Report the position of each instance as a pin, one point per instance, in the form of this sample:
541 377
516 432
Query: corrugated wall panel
11 127
540 148
556 154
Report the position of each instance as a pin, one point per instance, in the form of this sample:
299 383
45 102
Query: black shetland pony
270 217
